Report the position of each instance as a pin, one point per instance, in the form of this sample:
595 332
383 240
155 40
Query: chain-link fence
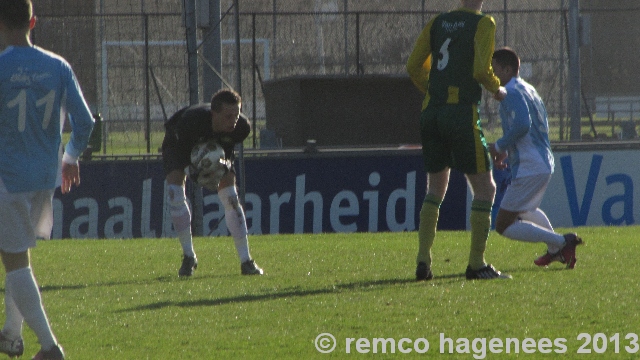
131 56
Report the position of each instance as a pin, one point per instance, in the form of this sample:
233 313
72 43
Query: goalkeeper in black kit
219 123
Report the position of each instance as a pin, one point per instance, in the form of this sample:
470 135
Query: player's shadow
164 278
287 293
297 292
437 280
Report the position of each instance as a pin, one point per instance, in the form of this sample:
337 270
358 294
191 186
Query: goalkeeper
222 122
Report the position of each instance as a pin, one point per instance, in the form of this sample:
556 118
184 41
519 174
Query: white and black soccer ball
208 164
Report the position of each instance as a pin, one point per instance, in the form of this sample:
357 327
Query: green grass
122 299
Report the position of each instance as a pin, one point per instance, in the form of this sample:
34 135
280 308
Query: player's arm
484 47
517 111
419 63
80 118
81 122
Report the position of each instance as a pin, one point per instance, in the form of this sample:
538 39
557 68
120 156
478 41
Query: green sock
427 228
480 224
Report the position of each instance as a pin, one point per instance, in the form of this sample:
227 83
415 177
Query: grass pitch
122 299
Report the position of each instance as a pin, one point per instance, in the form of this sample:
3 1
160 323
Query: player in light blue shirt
525 147
38 91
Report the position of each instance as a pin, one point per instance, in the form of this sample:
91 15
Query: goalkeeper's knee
229 198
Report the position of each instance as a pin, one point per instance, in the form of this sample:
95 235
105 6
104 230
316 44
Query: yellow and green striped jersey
452 58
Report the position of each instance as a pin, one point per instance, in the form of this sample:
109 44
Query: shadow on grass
296 292
164 278
287 293
333 289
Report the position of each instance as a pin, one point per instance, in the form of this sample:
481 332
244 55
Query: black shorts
173 157
452 137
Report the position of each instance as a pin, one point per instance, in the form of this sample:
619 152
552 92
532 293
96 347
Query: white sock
537 217
530 232
24 291
236 221
181 217
186 241
13 324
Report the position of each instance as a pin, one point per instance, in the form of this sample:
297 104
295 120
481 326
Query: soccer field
122 299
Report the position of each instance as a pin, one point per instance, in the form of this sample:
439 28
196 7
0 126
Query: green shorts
452 137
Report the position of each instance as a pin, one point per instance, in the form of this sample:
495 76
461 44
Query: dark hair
507 57
224 96
16 14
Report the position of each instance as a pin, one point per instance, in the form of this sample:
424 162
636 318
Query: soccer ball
208 164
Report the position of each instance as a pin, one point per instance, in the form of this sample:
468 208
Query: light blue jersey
38 89
525 130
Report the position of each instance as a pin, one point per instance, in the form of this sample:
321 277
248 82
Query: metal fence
133 66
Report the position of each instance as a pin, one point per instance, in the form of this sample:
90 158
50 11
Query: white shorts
23 218
525 194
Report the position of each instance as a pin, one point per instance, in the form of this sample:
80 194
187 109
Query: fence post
212 51
253 76
242 185
574 70
195 193
358 65
147 100
505 25
346 37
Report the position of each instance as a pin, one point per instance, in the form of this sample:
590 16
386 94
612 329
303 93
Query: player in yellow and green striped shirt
450 61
